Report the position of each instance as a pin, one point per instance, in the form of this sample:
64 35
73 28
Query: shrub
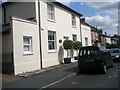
68 44
77 45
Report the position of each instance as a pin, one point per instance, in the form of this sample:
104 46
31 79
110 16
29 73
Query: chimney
105 33
82 20
96 27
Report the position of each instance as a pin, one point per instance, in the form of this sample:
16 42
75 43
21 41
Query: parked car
94 58
115 53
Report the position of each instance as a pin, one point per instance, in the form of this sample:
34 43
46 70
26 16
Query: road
65 77
90 80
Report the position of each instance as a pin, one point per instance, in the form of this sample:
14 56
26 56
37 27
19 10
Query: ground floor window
66 37
51 40
86 41
74 37
27 44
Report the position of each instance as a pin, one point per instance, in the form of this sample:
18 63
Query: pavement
46 77
6 78
63 76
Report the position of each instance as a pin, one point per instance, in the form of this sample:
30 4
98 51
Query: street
65 77
91 80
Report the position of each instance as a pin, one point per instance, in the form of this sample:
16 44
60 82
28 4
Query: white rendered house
34 32
85 33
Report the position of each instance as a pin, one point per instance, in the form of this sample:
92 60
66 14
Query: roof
58 4
67 8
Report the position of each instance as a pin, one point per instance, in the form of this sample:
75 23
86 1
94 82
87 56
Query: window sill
51 20
73 26
52 51
28 53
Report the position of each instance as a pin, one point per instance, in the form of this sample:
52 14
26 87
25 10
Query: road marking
74 83
58 81
109 77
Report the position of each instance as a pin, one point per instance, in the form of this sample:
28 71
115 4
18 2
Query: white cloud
66 2
105 22
106 17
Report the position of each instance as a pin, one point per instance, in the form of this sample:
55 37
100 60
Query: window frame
50 12
73 20
55 41
29 45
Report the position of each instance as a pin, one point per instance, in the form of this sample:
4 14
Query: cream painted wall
25 63
63 27
86 32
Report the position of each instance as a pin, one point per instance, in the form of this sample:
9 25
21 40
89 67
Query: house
108 39
114 39
102 39
85 33
94 35
33 34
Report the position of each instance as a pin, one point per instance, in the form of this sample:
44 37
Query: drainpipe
4 12
80 31
39 24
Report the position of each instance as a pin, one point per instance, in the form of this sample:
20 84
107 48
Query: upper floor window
51 40
73 20
50 12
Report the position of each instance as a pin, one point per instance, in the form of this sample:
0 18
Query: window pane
26 48
50 12
73 20
65 37
26 40
51 45
51 40
74 37
27 43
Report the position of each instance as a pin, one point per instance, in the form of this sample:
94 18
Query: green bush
111 45
77 45
68 44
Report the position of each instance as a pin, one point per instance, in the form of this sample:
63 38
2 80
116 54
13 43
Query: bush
111 45
68 44
77 45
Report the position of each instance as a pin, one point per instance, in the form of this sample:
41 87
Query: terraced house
33 34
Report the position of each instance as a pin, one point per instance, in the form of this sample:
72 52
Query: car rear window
89 51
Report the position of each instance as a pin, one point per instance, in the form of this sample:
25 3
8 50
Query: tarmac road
65 77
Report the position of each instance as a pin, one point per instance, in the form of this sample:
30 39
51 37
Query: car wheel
104 69
111 66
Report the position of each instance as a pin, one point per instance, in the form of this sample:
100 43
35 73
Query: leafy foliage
111 45
77 45
68 44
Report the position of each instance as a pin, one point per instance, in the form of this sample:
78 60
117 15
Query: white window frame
30 45
55 43
50 12
73 20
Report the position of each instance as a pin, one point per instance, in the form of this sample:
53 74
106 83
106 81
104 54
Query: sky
97 13
101 14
